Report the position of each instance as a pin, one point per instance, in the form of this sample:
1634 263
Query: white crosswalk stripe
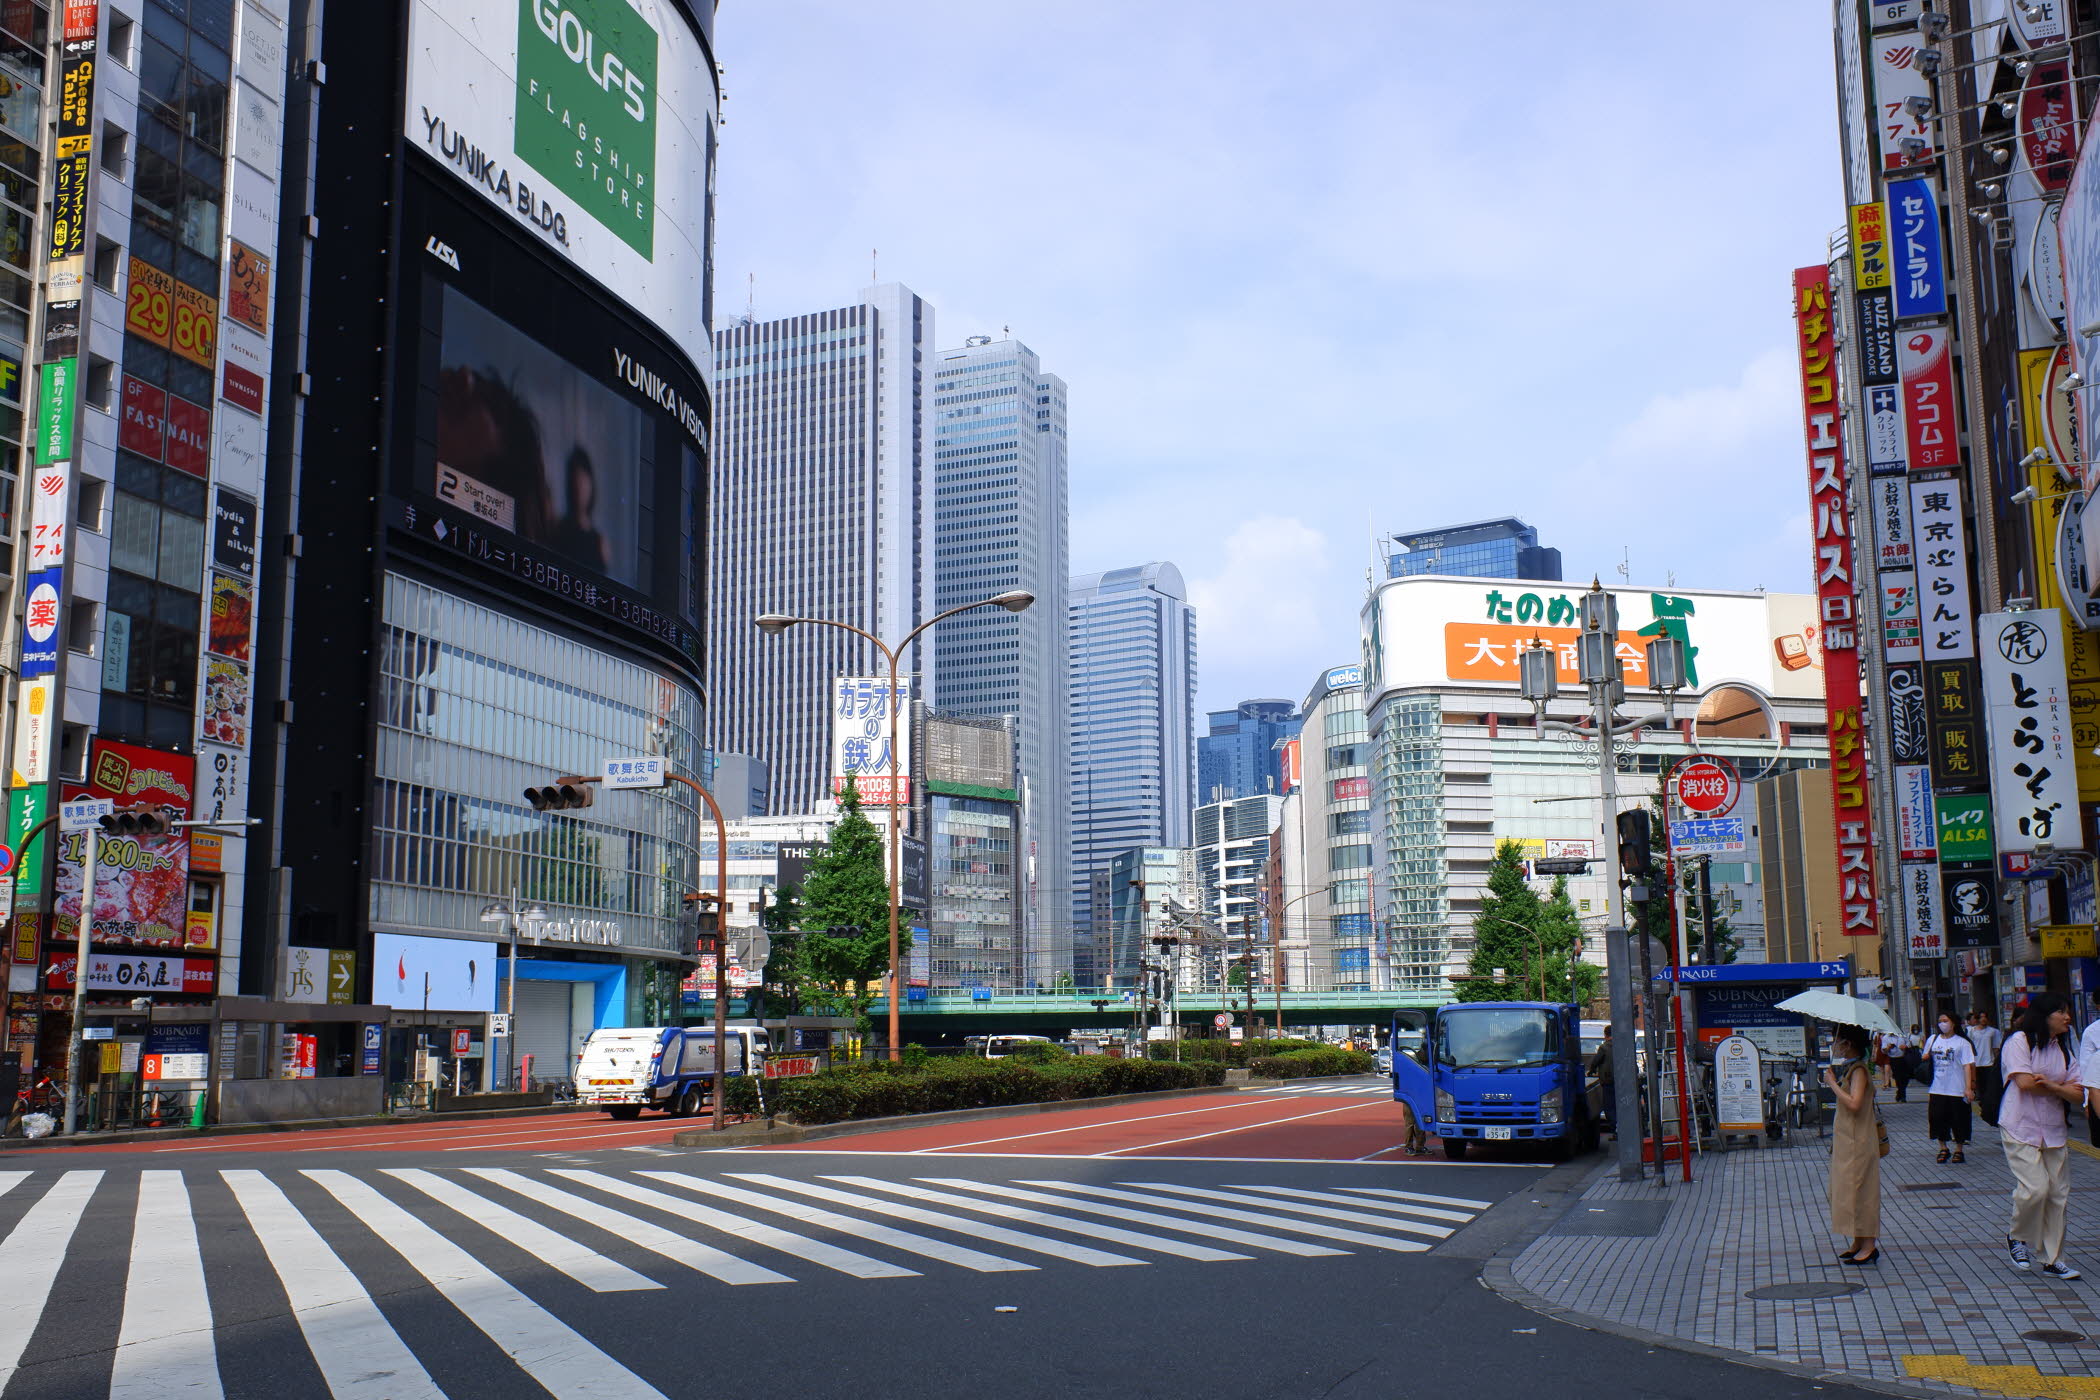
1361 1091
400 1281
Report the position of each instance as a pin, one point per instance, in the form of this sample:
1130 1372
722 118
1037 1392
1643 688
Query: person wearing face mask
1953 1088
2041 1084
1985 1037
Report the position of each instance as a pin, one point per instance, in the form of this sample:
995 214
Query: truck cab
625 1069
1499 1071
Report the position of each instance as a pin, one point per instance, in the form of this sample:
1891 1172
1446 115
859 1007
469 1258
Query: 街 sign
2034 775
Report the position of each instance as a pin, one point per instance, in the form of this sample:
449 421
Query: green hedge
1318 1060
882 1090
1236 1053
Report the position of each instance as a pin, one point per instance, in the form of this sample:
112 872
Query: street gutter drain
1930 1186
1783 1291
2053 1337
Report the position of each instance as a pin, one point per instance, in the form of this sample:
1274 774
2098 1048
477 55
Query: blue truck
1499 1071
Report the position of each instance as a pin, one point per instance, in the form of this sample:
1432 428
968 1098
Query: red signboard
189 436
144 421
240 387
1928 398
791 1067
2048 125
1707 788
1834 583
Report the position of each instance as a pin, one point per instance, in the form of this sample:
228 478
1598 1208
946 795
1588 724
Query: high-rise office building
1231 841
1000 511
1133 650
1242 756
1325 898
1506 548
821 507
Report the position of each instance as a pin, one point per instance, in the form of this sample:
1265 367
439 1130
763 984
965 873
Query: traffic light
561 795
135 821
1634 857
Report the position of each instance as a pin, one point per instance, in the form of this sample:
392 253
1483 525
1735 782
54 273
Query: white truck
625 1069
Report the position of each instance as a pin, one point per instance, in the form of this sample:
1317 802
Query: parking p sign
637 772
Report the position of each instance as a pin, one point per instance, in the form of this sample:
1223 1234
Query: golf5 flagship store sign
586 120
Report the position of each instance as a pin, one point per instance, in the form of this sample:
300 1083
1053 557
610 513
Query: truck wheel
689 1102
625 1112
1455 1147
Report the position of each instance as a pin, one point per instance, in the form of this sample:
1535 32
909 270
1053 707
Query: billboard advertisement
1896 81
2027 697
1943 569
142 883
587 125
412 973
861 714
1930 435
554 439
1920 279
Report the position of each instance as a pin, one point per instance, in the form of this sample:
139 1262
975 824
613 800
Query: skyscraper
1000 523
1133 648
821 508
1505 548
1240 756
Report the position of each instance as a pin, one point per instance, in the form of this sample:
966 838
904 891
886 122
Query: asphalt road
1254 1256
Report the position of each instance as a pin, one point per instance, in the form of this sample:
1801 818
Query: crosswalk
517 1254
1367 1088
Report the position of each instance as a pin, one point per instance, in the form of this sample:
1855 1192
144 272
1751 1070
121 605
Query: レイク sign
1849 788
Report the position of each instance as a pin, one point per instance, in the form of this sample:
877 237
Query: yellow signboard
2066 940
1870 246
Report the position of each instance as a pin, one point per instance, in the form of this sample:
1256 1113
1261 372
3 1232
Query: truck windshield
1492 1038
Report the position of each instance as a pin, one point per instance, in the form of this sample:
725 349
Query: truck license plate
1497 1135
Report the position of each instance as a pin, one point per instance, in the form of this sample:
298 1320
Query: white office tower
1133 640
1000 510
821 507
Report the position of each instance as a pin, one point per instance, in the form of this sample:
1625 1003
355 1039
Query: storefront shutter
543 1030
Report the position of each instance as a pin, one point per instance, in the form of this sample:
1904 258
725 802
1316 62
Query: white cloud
1265 624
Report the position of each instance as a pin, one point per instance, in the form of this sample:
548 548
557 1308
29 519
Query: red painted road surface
1227 1124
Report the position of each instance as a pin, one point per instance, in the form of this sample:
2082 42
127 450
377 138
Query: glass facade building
1241 756
1506 548
1133 650
1000 523
1327 899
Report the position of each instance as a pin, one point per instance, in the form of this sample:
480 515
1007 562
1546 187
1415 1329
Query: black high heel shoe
1871 1261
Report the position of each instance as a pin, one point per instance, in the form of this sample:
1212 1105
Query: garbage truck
625 1069
1499 1071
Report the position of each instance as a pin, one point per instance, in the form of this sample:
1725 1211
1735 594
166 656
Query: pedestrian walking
1855 1148
2041 1084
1600 1071
1909 1057
1952 1088
2089 1075
1884 1062
1986 1038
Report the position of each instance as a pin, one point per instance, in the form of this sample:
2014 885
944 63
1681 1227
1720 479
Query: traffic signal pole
1618 976
81 928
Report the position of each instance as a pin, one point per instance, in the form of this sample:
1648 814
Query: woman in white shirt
1986 1038
1953 1086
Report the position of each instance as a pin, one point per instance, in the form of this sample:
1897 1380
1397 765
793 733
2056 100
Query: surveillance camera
2090 328
1918 105
2025 495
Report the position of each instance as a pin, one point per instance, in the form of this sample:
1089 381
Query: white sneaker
2061 1270
2021 1259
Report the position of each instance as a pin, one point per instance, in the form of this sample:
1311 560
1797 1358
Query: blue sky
1320 271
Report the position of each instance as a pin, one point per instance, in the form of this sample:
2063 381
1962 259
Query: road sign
1708 836
1545 866
635 772
7 859
499 1025
83 812
1222 1020
1709 787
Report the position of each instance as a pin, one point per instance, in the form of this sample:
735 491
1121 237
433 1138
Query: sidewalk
1941 1311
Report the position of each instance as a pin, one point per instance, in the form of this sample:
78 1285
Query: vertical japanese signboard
1929 436
861 709
1920 280
2027 695
1834 565
1921 910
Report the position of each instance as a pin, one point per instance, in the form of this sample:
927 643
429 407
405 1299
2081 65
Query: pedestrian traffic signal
561 795
1634 856
135 821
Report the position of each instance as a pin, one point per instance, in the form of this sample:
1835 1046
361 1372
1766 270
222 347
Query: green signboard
54 410
25 808
1963 820
586 113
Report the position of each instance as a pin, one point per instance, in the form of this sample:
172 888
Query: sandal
1942 1157
1957 1155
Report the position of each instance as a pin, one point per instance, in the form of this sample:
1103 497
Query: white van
625 1069
998 1047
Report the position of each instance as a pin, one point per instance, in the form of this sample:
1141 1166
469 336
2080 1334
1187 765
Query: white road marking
846 1225
552 1248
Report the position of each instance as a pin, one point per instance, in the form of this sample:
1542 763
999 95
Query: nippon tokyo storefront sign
1834 564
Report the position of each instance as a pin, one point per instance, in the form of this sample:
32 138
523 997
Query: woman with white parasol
1857 1144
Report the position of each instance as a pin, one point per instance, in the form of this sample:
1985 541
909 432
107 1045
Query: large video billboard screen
587 123
549 434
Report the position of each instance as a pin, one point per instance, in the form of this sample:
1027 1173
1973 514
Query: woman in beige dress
1855 1152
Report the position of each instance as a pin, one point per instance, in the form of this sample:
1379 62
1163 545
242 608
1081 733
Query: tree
785 970
1567 977
846 913
1505 933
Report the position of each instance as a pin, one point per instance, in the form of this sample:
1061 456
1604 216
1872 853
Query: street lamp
1014 600
509 915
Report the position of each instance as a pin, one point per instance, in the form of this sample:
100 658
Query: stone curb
787 1133
1498 1276
289 1125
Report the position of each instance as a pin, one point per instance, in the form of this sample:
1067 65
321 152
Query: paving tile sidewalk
1943 1303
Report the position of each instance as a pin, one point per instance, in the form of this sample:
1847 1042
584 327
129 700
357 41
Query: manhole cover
1805 1290
2053 1337
1930 1186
